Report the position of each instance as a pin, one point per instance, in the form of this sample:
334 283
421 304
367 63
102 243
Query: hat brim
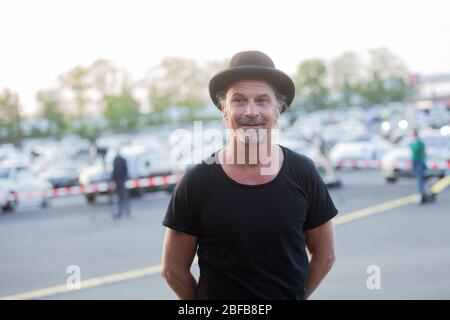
278 79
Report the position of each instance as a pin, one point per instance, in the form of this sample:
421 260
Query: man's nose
251 110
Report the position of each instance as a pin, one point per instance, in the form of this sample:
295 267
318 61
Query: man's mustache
251 123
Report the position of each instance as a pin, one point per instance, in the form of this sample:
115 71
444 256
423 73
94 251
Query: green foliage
347 79
177 82
386 79
122 112
76 81
9 116
180 82
310 84
50 103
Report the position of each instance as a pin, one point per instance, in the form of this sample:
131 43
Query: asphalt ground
408 243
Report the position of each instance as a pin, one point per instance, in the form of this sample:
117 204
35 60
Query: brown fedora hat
254 65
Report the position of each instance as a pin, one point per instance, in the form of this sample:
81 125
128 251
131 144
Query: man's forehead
251 87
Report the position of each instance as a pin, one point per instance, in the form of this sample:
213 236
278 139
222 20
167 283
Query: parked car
23 188
7 149
369 147
5 201
397 163
62 174
142 161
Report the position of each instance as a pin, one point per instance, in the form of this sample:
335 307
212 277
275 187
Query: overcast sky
41 39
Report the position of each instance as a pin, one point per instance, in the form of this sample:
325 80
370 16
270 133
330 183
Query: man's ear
280 110
224 112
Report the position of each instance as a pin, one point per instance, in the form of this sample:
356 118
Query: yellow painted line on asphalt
438 187
363 213
89 283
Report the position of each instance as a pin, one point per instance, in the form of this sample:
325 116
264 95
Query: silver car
23 188
397 164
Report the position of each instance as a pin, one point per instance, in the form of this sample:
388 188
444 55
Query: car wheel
338 184
11 205
4 209
45 203
90 198
138 192
391 180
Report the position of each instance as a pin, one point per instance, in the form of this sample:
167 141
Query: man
251 215
119 177
418 161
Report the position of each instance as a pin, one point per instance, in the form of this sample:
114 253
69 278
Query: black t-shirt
251 238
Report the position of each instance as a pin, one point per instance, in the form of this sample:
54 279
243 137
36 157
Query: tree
10 116
76 82
122 111
346 74
386 74
386 64
310 84
177 82
50 103
105 78
110 85
212 67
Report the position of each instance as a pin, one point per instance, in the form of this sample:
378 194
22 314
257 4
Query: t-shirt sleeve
183 212
321 207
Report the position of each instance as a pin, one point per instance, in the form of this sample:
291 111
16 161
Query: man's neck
249 157
252 173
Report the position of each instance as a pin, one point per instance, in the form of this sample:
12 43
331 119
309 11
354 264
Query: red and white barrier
359 164
94 188
376 164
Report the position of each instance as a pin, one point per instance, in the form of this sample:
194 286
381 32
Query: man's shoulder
298 160
300 167
200 173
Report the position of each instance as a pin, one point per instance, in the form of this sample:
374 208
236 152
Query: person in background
119 177
418 155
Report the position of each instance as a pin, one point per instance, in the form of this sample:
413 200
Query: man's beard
251 135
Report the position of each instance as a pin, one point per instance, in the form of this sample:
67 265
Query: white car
142 162
4 198
7 149
23 188
61 173
369 148
397 162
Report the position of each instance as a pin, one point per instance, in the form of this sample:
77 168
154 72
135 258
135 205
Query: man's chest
241 211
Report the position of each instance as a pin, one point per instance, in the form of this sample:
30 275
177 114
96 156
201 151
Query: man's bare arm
320 244
178 253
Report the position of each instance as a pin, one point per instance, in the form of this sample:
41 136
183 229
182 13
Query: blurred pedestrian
119 177
251 217
418 156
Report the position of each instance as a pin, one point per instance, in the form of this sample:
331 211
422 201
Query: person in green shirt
418 162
